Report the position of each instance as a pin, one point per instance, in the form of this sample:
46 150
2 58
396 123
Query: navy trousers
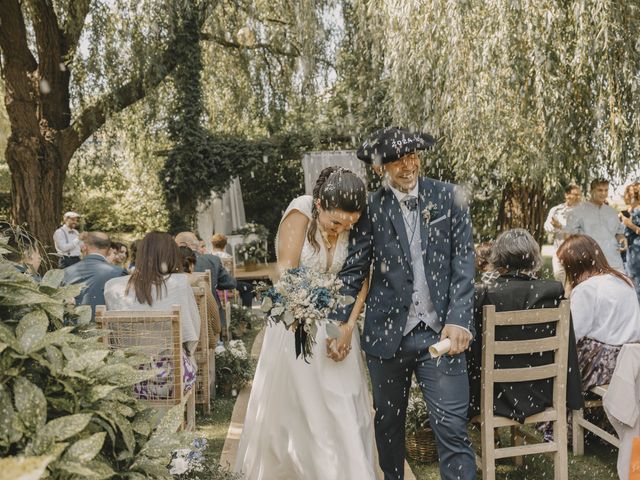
445 387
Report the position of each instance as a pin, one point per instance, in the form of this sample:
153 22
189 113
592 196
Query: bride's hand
339 348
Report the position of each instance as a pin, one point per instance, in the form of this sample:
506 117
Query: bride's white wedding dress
313 420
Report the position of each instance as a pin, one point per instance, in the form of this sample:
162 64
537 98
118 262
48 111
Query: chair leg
517 440
561 457
577 433
212 375
191 411
488 452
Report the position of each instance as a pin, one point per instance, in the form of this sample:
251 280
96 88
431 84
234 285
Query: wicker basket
421 445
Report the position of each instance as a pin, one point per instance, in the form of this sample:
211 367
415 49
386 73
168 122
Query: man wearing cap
416 239
67 240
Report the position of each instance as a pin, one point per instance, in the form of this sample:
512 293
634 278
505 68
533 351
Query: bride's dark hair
336 188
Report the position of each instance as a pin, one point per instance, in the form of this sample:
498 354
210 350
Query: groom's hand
460 338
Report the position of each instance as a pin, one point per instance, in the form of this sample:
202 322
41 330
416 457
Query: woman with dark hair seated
157 283
604 308
515 255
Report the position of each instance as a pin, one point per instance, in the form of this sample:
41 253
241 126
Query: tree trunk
523 206
37 179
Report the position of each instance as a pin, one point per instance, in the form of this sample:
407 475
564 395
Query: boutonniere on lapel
429 212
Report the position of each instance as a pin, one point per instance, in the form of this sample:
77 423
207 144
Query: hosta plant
65 397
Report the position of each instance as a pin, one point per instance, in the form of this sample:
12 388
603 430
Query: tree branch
78 11
19 65
94 116
13 37
263 46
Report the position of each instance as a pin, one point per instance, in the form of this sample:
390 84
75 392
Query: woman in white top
156 284
604 308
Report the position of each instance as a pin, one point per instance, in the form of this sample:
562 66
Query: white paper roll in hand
440 348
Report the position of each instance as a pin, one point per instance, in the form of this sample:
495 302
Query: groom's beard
386 182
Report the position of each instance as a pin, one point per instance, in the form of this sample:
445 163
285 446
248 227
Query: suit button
405 307
410 280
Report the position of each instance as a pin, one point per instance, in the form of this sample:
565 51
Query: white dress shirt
561 214
67 241
601 223
605 308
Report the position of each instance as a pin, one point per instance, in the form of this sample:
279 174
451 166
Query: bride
312 420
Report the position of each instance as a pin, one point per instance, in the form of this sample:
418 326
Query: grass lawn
598 462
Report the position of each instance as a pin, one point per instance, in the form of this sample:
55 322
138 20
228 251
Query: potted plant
420 440
242 319
233 368
252 253
252 232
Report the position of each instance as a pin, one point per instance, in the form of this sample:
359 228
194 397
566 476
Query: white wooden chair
580 424
557 370
156 334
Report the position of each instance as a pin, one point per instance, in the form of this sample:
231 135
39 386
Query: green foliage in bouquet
233 367
252 251
66 398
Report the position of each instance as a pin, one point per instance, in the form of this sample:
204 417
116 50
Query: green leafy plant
242 319
233 368
417 412
66 397
252 251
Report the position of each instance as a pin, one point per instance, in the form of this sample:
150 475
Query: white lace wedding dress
313 420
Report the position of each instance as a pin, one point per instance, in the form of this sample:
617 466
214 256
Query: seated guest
483 267
604 308
213 320
158 283
219 244
93 270
221 279
132 255
516 256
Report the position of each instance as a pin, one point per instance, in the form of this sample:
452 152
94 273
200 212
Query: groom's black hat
391 143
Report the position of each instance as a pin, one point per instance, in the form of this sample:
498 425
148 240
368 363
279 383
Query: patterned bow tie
410 202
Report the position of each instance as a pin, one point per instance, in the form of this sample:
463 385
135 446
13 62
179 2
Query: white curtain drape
314 162
221 214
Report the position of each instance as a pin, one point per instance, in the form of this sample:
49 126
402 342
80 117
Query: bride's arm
340 349
290 241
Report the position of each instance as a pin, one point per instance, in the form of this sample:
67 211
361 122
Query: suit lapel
391 206
426 197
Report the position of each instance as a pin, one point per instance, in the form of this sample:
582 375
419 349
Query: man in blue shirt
93 270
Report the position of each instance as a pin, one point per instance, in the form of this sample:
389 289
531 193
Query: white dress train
313 420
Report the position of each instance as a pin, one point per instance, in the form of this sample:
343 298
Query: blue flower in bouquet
321 297
274 295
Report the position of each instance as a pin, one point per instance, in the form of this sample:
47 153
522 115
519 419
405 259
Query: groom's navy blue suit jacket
379 242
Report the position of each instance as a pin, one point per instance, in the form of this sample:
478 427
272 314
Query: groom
416 238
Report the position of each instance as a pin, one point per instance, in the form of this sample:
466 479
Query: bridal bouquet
302 301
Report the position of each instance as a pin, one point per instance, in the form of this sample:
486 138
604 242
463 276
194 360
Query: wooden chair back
156 334
203 381
557 371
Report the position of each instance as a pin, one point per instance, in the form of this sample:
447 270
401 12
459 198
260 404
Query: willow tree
524 95
69 65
